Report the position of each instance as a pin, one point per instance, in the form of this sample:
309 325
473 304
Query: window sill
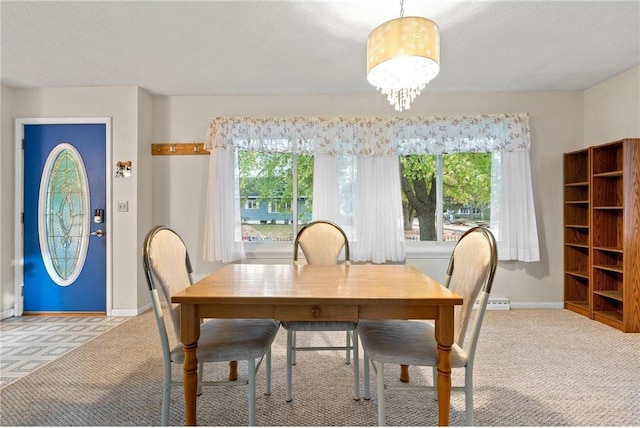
430 250
269 250
284 250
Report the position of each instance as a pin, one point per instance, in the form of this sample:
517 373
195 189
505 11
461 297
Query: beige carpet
533 368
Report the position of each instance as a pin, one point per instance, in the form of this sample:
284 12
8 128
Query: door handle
97 233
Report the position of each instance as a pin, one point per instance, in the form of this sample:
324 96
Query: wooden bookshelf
615 216
602 252
576 232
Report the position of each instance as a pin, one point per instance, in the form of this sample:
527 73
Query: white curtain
326 189
371 135
379 229
375 143
332 192
513 217
222 225
362 195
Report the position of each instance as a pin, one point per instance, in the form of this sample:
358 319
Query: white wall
612 109
556 127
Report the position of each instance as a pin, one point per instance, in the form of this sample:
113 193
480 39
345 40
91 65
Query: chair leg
351 343
294 341
166 393
251 370
268 370
200 374
348 345
290 339
367 388
382 416
356 366
468 395
435 382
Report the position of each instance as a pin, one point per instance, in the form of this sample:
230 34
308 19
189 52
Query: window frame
414 249
505 135
252 201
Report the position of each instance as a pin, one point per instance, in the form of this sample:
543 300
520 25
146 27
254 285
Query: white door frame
19 201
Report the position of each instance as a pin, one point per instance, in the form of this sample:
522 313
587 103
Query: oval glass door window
63 214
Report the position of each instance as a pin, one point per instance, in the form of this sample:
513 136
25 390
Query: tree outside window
463 180
269 179
445 184
451 184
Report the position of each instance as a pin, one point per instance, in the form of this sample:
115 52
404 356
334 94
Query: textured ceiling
309 47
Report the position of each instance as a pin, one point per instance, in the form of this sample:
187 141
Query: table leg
190 383
404 373
189 335
233 370
444 337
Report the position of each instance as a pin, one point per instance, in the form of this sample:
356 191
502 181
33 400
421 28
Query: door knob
97 233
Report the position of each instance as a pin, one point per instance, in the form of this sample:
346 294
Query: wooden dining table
317 293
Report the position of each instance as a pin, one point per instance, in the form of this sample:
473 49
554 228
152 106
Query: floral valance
372 136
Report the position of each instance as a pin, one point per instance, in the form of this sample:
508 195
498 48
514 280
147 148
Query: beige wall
122 106
143 204
612 109
171 189
556 127
6 202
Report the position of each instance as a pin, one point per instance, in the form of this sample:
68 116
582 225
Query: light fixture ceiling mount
403 55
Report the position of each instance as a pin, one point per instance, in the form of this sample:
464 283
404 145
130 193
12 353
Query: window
269 178
288 162
280 206
470 211
456 185
251 203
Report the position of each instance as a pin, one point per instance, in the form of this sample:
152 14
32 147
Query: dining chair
470 274
322 242
168 268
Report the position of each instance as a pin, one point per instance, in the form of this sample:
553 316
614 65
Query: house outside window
347 170
458 186
269 178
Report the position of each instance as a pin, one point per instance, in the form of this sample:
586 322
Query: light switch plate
123 206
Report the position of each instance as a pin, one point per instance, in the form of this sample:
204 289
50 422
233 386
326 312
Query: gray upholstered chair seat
470 274
319 325
322 242
168 271
405 342
231 339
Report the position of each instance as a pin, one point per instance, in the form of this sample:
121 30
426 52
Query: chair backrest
470 273
321 242
167 267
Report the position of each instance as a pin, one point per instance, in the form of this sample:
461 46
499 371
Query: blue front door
64 218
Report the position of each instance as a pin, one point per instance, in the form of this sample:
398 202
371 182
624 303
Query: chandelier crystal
403 55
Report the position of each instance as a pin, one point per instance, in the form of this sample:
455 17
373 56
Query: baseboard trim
537 305
130 312
7 313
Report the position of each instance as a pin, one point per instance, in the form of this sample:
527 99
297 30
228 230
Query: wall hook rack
169 149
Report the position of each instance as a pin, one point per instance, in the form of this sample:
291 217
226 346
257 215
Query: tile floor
28 343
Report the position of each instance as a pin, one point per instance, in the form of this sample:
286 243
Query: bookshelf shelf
601 220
